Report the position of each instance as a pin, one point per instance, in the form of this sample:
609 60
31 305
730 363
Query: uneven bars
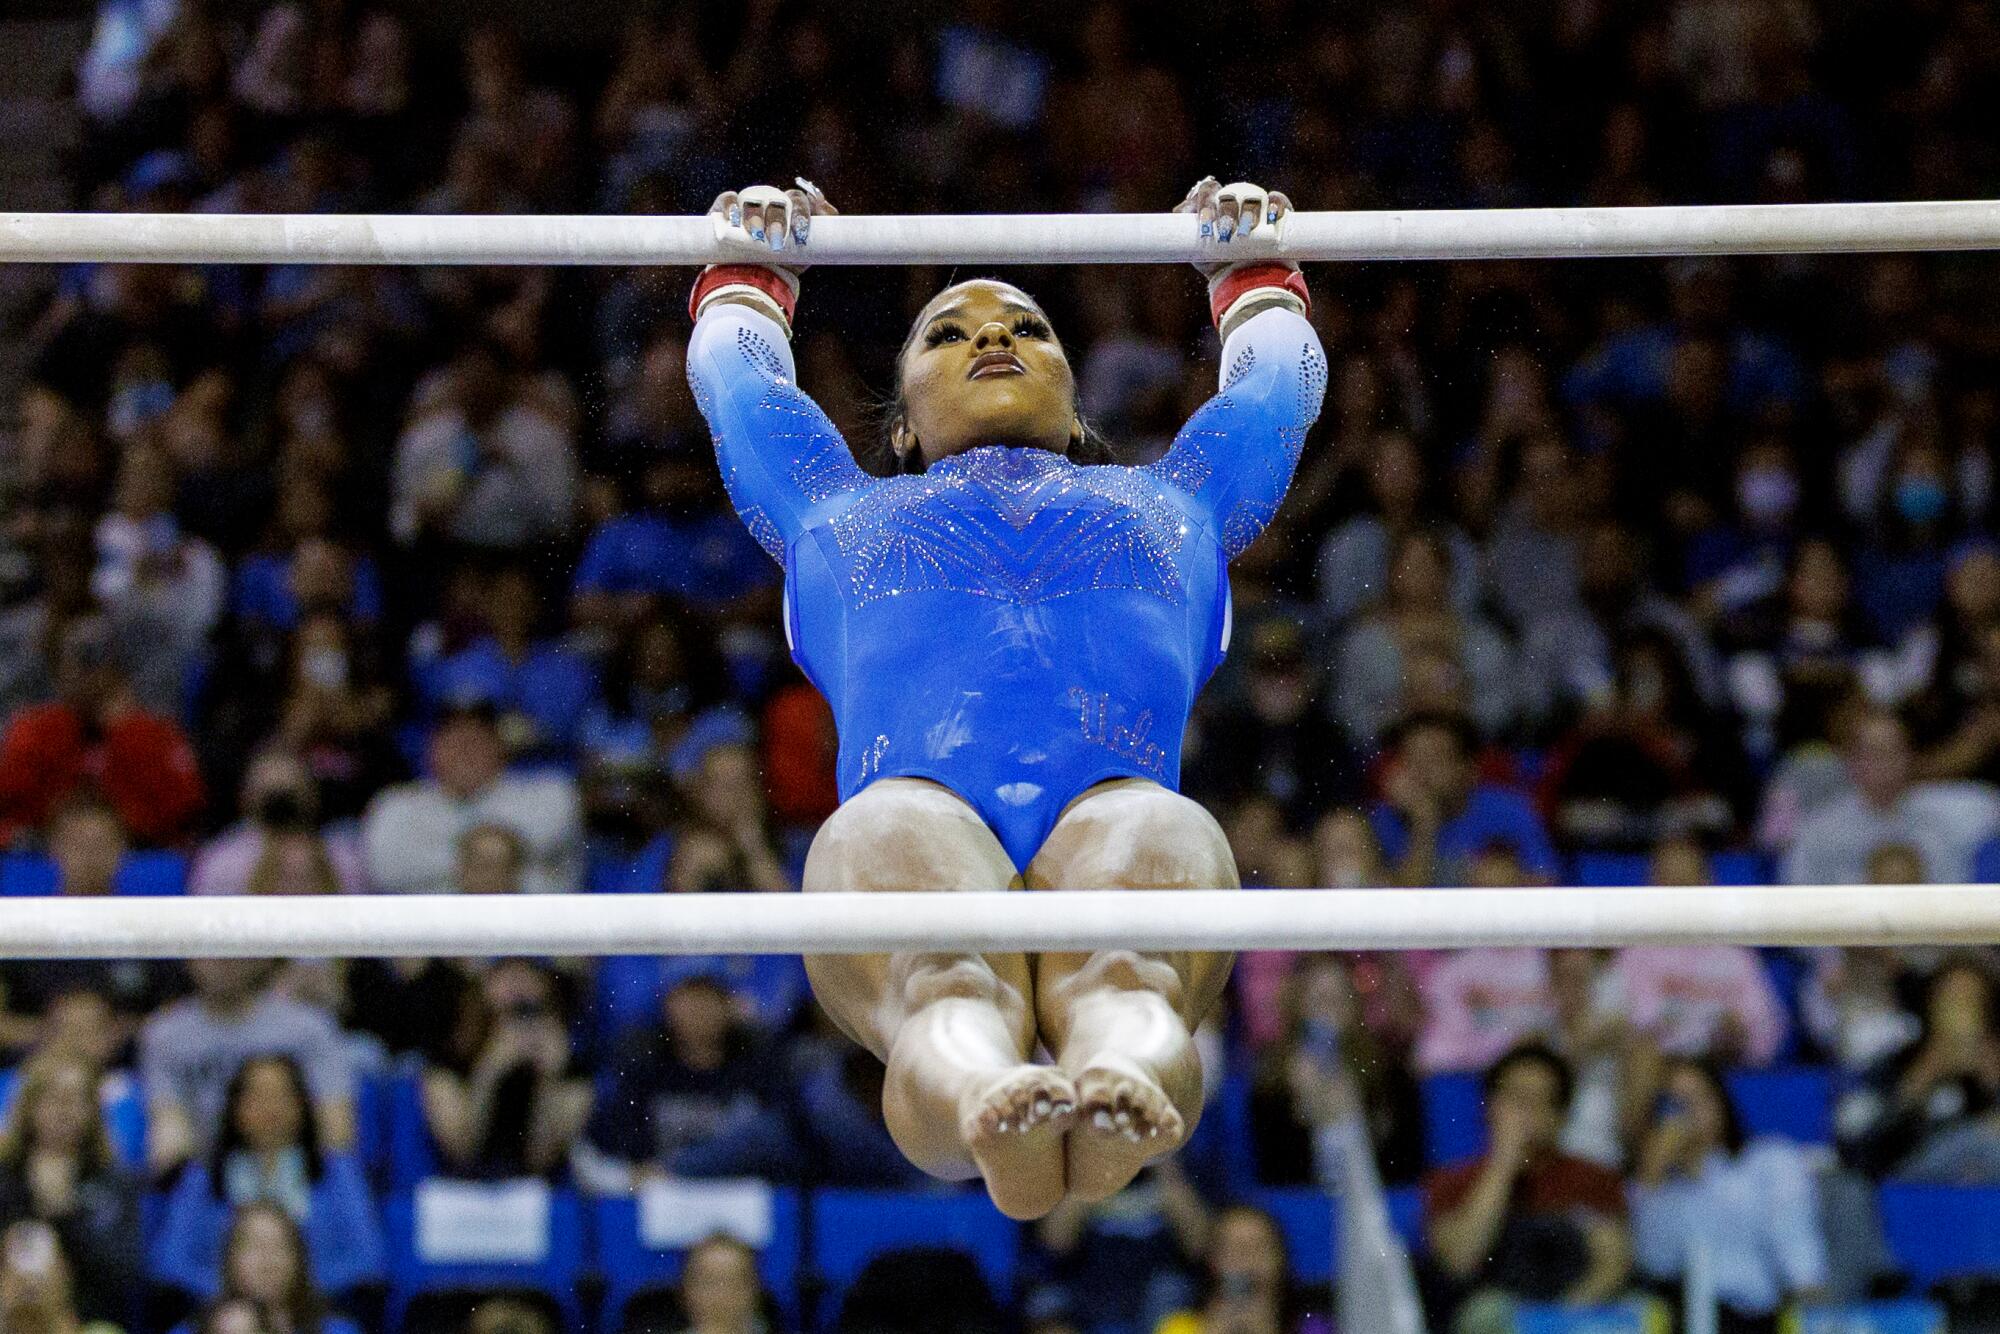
1083 238
1306 919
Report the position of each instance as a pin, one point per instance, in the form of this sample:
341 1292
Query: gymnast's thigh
907 834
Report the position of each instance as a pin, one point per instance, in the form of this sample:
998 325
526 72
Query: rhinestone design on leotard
1020 525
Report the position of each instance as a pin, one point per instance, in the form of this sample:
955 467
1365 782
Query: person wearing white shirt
1748 1212
410 833
1944 822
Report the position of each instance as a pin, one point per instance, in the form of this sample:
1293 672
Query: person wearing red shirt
1526 1222
95 737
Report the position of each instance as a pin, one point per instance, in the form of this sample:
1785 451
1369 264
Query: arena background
1614 573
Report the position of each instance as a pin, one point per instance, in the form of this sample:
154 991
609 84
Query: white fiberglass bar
1083 238
1314 919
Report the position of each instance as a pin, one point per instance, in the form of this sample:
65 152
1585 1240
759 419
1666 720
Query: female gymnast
1010 631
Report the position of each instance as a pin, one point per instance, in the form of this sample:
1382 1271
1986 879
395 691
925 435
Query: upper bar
1081 238
1305 919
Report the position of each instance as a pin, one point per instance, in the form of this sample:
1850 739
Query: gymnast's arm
781 458
1236 455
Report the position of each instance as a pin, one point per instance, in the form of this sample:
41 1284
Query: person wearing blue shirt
1438 816
676 545
268 1152
541 688
1010 629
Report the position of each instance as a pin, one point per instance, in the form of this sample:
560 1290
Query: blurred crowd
380 580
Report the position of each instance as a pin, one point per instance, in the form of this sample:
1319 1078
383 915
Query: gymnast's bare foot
1013 1127
1124 1120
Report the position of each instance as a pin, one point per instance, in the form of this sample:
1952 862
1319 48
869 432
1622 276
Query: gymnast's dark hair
878 454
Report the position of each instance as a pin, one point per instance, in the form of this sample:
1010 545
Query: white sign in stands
674 1215
476 1222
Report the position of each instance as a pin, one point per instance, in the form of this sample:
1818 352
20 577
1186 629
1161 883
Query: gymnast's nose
993 336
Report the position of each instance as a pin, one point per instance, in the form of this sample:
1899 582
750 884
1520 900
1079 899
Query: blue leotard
1009 624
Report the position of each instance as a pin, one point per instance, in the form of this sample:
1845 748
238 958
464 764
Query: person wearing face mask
1899 575
1740 562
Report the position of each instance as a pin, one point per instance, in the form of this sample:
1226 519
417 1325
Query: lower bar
1305 919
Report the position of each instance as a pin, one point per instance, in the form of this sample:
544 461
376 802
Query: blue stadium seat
153 875
1406 1215
554 1275
144 874
1221 1145
411 1156
630 1268
1306 1216
371 1123
852 1227
1617 870
1540 1319
1940 1232
1909 1316
1795 1102
1454 1119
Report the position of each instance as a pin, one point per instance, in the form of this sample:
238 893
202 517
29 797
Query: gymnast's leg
956 1031
1122 1023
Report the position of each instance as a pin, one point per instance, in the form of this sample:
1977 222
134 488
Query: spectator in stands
1715 1002
58 1166
1569 655
659 675
484 466
1326 1067
1967 741
541 687
507 1100
1751 1210
142 763
269 1153
700 1094
39 1291
87 845
1590 1031
1884 805
1438 815
678 544
1124 1264
1850 1001
1797 654
279 827
235 1316
837 1092
1525 1222
1277 741
723 839
410 834
1478 1004
1647 756
1899 575
720 1291
265 1263
1416 613
1247 1283
1355 560
1926 1113
190 1050
145 561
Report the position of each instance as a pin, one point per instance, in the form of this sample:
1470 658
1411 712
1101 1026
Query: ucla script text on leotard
1009 624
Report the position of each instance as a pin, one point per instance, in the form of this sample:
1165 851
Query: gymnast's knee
899 835
929 978
1148 838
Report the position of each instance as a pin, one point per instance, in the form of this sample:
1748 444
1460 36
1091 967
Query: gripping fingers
801 210
1240 205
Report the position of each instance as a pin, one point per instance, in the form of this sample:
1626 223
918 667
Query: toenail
1102 1120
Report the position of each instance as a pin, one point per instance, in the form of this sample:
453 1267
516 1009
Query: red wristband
760 276
1233 282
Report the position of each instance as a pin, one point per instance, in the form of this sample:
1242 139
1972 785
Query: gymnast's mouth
995 363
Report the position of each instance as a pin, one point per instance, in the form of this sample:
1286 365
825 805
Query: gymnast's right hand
780 219
762 215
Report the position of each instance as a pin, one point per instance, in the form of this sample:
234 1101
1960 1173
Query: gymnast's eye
941 334
1030 327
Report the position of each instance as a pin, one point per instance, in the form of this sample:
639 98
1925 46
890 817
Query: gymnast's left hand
1229 211
780 219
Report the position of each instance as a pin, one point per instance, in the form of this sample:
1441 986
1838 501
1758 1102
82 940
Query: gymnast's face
983 367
